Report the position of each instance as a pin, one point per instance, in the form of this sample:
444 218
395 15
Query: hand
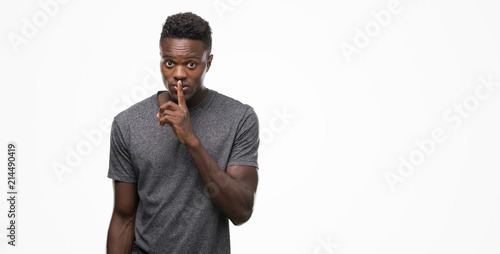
177 116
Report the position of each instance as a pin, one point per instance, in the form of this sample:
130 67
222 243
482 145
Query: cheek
201 76
164 78
200 73
165 73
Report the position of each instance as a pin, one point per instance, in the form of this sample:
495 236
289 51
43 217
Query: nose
179 72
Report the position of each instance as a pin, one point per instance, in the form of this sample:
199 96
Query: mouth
174 87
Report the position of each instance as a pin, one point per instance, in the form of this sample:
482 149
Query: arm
232 192
122 226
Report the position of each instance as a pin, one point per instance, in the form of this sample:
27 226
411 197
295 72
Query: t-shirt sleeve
120 163
245 148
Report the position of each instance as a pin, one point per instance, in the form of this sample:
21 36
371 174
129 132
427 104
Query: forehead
182 47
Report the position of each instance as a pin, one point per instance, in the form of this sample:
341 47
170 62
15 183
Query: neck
197 98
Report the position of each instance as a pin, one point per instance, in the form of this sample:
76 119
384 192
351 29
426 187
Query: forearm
120 235
231 197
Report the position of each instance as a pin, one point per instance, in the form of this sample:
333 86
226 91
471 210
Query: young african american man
184 160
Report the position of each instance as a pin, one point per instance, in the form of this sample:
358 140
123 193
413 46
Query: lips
184 87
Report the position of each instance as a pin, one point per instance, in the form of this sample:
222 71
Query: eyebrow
190 56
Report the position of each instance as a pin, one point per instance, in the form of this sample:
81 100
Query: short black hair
187 25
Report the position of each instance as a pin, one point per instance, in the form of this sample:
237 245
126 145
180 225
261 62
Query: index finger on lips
180 94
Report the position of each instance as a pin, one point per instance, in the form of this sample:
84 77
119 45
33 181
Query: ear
209 61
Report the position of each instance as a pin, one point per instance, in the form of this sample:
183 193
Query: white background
332 129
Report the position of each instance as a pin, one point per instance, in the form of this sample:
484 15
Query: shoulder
234 113
137 110
230 106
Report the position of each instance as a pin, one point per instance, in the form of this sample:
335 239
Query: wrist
193 143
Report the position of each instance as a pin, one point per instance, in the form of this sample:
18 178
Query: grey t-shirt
175 212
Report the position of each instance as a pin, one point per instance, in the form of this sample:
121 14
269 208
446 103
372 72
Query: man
184 160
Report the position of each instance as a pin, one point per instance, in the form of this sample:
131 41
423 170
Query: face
188 61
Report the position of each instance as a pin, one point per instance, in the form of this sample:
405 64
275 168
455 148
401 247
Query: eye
169 63
191 65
